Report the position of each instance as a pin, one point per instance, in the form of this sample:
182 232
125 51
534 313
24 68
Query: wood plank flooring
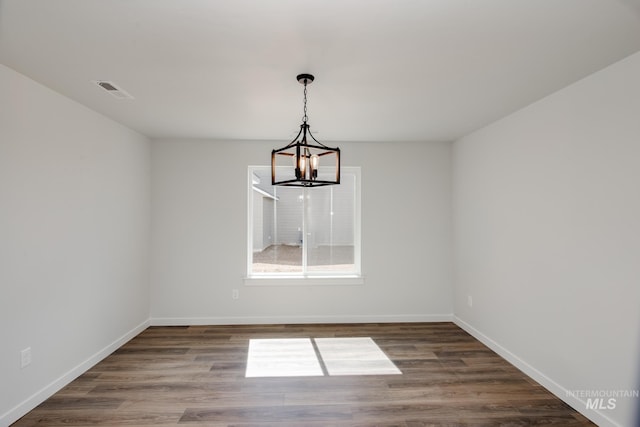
194 376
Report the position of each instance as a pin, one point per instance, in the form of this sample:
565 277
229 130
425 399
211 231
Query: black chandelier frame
305 155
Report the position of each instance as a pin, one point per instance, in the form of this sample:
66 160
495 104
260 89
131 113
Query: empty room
319 213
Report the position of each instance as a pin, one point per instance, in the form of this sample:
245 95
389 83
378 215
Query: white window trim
299 280
308 279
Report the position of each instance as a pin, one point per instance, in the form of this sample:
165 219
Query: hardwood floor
194 376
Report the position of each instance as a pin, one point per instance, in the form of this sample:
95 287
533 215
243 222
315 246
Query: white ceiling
386 70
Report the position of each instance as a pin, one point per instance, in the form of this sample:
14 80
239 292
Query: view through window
296 231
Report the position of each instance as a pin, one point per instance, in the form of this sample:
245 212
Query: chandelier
298 163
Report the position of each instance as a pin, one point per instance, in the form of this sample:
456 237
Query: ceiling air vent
113 89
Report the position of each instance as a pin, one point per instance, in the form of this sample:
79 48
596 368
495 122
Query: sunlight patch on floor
291 357
354 356
296 357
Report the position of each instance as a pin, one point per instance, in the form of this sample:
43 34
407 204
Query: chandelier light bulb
315 162
303 165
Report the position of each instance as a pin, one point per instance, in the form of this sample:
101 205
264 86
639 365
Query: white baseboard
561 392
37 398
409 318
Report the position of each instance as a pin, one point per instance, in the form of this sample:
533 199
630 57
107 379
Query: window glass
303 231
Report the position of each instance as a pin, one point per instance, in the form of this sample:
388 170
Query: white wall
547 237
199 243
74 228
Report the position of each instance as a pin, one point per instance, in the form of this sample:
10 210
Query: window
303 232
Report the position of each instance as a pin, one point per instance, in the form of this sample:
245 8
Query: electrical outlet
469 301
25 357
235 294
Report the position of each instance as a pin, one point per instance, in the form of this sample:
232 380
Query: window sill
304 281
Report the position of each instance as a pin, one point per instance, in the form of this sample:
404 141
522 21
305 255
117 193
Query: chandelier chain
305 117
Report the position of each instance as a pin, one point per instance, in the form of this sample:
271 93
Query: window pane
296 230
330 227
277 227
